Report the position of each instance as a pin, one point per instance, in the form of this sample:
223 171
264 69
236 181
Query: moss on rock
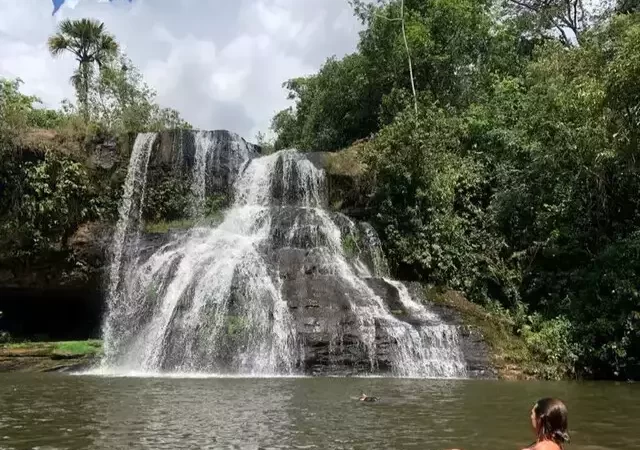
49 356
509 353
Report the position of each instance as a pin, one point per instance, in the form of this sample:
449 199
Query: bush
552 341
167 199
430 199
43 202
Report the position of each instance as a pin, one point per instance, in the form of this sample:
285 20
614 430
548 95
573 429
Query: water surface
56 411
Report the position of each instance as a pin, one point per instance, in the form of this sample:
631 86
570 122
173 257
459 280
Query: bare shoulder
544 445
534 447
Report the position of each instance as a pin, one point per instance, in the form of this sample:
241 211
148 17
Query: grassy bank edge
54 350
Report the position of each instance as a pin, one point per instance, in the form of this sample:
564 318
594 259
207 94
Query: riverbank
49 356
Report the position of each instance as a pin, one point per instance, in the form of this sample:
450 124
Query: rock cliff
318 300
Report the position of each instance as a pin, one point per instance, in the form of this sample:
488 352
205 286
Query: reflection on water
80 412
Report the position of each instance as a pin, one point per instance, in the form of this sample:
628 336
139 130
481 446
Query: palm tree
90 43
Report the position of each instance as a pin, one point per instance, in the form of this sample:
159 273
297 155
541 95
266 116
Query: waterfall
204 143
130 216
439 347
373 244
221 299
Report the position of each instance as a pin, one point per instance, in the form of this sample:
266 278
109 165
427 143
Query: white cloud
220 63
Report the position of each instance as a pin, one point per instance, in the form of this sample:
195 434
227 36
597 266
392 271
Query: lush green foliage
168 199
45 201
47 185
518 181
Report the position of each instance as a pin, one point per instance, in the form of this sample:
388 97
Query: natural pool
55 411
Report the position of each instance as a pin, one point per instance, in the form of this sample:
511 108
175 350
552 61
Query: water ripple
80 412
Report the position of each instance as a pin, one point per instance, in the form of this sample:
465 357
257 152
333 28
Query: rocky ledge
321 310
45 364
62 298
49 356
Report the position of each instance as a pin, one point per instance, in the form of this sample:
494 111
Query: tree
266 145
360 7
14 109
333 108
122 102
407 54
89 42
19 111
284 125
628 6
566 17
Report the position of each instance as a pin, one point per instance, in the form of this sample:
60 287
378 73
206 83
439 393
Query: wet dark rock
347 191
296 227
319 302
89 244
6 276
104 155
318 299
175 150
289 186
389 294
476 352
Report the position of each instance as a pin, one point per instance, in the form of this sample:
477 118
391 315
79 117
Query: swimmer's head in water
549 420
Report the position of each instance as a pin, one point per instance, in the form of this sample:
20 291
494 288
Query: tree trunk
83 89
406 44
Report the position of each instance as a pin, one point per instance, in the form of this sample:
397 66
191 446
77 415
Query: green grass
80 348
65 349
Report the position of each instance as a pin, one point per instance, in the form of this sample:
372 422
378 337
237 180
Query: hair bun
561 436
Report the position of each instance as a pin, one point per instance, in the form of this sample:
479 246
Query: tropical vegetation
495 145
500 145
48 185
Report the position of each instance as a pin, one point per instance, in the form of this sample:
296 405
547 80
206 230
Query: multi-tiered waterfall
281 286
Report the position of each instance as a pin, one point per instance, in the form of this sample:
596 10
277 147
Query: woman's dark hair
553 422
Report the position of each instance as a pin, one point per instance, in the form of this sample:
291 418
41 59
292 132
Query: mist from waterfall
211 300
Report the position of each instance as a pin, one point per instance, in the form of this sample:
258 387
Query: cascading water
130 216
440 353
213 299
204 142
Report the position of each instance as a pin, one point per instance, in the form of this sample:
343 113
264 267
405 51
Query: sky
221 63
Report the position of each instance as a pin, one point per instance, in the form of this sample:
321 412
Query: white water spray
211 300
127 229
204 143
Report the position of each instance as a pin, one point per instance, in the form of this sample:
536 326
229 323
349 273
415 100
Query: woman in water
550 424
